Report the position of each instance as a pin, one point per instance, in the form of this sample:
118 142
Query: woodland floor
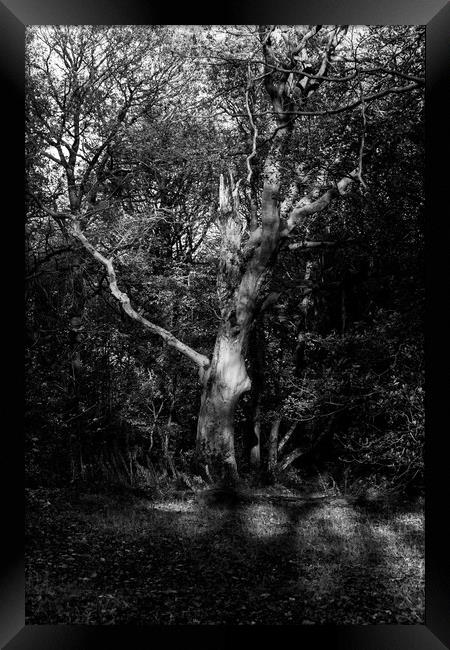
106 560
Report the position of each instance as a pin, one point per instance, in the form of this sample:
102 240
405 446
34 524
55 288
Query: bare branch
307 245
301 211
344 79
361 147
199 359
345 107
255 134
287 436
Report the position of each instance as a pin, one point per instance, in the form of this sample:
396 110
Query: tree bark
257 362
75 334
255 449
225 382
273 445
199 359
166 435
289 459
287 436
239 286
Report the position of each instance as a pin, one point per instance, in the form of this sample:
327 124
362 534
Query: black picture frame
435 14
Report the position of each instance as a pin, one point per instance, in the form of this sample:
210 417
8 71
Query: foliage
146 119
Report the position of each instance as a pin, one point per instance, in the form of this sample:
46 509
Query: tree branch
289 459
199 359
368 71
307 245
363 135
345 107
252 154
296 453
287 436
301 211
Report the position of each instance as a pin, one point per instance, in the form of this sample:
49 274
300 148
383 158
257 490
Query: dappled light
261 521
224 324
320 562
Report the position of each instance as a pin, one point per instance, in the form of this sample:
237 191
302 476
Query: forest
224 307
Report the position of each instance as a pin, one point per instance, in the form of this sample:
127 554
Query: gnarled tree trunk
241 277
244 266
223 385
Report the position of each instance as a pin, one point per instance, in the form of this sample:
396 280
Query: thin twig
361 146
255 132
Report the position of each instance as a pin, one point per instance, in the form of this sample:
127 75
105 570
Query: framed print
234 340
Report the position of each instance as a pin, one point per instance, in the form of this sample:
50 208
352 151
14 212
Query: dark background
437 490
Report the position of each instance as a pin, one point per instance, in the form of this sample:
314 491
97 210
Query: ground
273 559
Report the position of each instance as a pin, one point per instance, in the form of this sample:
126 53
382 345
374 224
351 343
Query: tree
295 112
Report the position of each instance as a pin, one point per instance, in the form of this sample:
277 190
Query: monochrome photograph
224 324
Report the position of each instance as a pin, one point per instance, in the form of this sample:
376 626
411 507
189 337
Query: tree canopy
224 249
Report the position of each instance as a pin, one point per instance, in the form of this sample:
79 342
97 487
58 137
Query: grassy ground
96 559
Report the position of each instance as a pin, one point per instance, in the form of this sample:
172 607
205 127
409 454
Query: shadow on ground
93 561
